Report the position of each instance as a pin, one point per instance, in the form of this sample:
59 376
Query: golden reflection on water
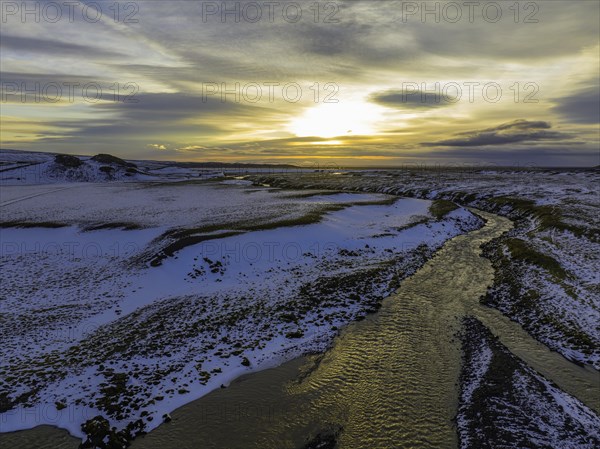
390 381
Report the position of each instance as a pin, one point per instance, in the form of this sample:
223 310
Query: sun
337 119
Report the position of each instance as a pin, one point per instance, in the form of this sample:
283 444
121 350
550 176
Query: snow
147 204
77 300
568 308
79 305
238 182
518 409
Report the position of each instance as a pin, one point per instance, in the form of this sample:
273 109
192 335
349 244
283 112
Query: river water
390 380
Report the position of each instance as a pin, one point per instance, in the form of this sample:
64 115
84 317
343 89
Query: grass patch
183 238
573 334
295 334
305 195
186 182
547 217
466 197
171 249
126 226
522 251
384 202
440 208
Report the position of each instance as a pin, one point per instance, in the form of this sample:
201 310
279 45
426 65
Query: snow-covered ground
23 168
129 291
27 168
547 267
247 277
504 403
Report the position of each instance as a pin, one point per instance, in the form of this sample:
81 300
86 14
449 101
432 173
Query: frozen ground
128 296
505 404
127 300
547 267
26 168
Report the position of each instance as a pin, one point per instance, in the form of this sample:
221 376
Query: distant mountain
229 165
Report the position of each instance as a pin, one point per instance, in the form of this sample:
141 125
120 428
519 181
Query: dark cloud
410 100
519 156
161 115
538 32
515 155
335 39
32 78
506 133
520 124
53 47
37 88
173 106
134 130
581 107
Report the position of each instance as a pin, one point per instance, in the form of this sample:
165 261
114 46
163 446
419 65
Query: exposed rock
110 159
101 436
67 160
327 439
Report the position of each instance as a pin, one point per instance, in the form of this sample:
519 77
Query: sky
347 83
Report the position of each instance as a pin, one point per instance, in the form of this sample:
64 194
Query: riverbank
103 336
404 375
504 403
392 379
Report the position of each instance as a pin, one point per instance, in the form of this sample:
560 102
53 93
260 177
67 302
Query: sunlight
337 119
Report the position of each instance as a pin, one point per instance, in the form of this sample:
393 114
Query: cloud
53 47
506 133
581 107
171 52
406 99
46 88
171 106
335 39
519 156
169 118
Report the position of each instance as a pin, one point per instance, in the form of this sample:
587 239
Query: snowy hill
27 167
18 167
23 168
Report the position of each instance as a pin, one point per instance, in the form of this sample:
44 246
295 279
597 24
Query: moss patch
520 250
440 208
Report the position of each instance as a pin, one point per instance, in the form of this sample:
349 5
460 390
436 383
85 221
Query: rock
166 418
327 439
96 430
67 160
113 160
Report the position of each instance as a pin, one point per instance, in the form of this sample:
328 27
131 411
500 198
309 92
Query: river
390 380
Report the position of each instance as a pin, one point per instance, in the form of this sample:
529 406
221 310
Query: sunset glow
184 80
